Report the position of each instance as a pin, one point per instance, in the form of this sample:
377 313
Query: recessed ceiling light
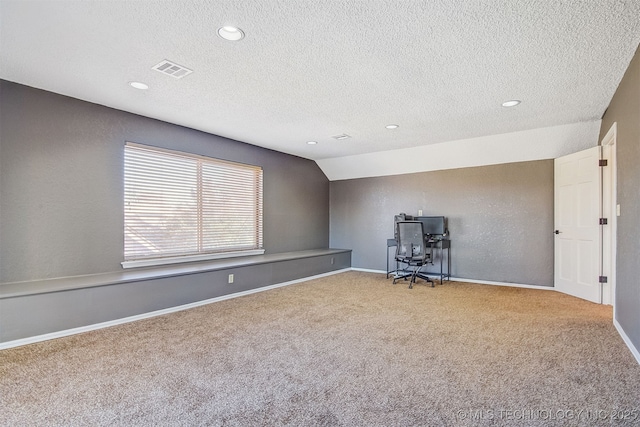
392 126
230 33
343 136
312 142
139 85
511 103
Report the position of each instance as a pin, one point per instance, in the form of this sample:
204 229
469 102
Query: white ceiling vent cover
172 69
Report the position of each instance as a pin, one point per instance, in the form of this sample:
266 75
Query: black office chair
413 251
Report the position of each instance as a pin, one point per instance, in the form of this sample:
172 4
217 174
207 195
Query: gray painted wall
500 218
61 184
625 110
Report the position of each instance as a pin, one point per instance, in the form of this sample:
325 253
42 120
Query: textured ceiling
311 69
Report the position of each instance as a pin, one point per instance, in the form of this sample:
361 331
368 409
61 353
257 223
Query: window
181 207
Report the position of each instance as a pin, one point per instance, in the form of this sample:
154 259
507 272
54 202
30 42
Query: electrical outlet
231 278
419 212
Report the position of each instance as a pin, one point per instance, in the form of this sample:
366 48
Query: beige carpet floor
345 350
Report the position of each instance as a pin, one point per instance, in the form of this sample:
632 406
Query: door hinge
603 221
602 279
602 162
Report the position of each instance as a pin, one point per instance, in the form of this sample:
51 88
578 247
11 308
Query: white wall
534 144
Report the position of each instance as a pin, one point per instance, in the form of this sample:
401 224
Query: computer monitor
432 225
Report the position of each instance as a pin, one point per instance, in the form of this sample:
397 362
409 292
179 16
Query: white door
577 229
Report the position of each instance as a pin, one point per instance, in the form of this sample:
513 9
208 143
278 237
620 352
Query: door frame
609 211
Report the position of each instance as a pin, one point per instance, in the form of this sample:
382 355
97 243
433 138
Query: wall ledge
19 289
102 325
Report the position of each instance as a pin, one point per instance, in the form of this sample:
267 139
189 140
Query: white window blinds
178 205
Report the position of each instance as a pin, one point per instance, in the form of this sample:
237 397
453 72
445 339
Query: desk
439 246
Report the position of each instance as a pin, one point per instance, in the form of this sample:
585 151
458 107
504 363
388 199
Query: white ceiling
311 69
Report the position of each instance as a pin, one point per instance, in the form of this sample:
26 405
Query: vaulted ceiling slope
309 70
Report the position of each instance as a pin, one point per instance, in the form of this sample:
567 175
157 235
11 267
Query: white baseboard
513 285
81 329
368 270
627 340
481 282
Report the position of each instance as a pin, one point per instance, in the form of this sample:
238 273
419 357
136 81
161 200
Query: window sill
188 258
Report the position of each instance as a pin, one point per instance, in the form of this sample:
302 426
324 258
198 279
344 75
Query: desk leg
449 262
387 261
441 255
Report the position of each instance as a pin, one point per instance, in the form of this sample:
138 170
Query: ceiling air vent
343 136
172 69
